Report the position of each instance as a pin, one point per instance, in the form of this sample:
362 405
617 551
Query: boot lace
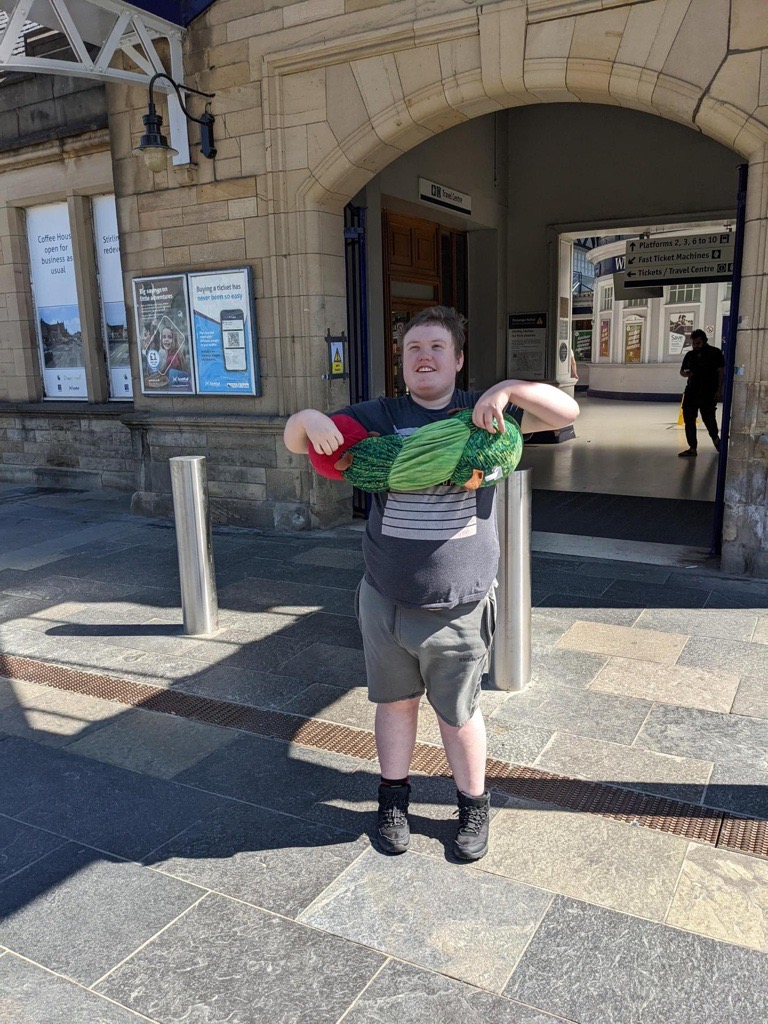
392 807
471 819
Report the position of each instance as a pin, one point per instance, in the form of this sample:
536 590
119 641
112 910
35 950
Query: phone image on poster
233 340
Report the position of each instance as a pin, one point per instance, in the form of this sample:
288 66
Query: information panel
114 323
57 314
224 332
527 344
162 331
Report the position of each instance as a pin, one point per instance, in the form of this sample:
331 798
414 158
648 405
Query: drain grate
691 821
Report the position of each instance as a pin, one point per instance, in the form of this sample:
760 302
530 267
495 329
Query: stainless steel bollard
199 603
511 654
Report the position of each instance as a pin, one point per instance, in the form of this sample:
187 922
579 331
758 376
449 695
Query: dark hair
699 334
445 317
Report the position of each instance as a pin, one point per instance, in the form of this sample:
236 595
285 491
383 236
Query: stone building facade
314 100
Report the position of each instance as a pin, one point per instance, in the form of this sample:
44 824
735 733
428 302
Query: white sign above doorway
442 195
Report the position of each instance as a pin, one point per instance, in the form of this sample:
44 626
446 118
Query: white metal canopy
108 27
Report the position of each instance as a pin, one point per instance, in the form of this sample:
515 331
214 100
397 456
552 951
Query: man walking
703 366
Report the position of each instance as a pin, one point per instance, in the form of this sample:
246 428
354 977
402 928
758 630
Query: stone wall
80 446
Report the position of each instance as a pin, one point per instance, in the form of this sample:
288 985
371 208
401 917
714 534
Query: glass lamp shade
156 157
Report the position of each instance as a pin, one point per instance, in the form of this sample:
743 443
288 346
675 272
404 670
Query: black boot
393 830
471 842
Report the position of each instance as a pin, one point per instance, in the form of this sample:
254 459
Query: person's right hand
323 434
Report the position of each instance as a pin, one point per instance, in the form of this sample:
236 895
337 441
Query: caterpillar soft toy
452 450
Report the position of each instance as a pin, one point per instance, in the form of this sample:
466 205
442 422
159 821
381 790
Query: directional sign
679 259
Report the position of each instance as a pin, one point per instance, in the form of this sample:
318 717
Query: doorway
425 264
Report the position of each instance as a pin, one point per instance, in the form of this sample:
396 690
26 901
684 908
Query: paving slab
31 995
518 742
723 894
275 861
760 634
325 663
654 595
332 789
751 697
587 609
153 744
257 593
249 965
20 845
96 804
593 965
707 622
589 714
741 788
239 685
403 993
564 668
336 558
724 655
624 642
704 735
614 865
55 717
586 757
467 924
116 905
667 684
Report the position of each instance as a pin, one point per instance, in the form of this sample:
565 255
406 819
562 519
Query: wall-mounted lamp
154 145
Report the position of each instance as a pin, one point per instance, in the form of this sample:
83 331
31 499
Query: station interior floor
627 448
620 479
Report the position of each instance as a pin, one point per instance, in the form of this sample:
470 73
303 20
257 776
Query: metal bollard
199 603
511 653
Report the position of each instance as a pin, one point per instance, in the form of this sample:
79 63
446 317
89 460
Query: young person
426 604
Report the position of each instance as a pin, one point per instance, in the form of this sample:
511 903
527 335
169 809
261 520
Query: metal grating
691 821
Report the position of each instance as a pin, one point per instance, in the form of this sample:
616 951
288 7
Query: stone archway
366 99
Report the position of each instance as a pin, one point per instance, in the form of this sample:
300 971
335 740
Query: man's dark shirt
703 363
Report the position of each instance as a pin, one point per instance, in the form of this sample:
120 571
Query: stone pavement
157 868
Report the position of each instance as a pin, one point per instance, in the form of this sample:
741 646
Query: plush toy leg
475 481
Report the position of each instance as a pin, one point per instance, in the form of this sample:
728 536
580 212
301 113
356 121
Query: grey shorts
441 651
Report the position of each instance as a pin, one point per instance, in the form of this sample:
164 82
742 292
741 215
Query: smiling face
430 364
166 338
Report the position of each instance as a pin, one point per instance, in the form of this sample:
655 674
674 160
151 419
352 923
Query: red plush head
325 465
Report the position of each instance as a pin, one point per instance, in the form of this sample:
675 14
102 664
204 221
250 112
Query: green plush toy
452 450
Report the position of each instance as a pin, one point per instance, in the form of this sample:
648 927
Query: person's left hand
491 407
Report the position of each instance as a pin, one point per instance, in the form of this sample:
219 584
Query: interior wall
584 164
470 158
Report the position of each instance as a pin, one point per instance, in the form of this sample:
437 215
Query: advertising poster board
680 327
161 312
582 345
605 339
114 322
224 327
633 340
57 313
527 345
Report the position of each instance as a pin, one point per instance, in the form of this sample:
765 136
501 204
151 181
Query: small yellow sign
337 360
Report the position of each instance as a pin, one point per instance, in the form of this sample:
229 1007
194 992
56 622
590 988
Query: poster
633 340
582 345
114 323
527 345
224 333
54 289
162 332
680 327
605 339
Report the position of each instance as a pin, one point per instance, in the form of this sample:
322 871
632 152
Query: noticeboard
527 345
196 333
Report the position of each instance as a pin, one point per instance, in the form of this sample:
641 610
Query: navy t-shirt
434 548
704 364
